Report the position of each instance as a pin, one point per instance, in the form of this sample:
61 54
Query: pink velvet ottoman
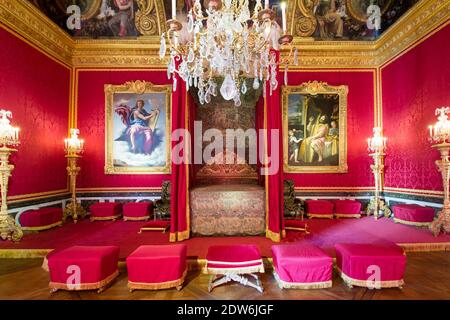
233 263
413 215
105 211
302 266
137 211
347 209
371 265
41 219
319 209
83 268
157 267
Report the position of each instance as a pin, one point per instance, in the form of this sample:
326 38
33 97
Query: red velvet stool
156 225
302 266
232 263
347 209
360 264
83 268
157 267
319 209
413 214
41 219
137 211
296 225
105 211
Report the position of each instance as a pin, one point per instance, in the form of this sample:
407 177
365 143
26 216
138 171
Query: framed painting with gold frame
138 128
315 128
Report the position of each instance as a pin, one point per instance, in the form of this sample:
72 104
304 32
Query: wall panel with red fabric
414 85
36 89
360 120
91 122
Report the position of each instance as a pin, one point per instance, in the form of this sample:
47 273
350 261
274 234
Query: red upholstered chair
413 215
319 209
83 268
302 266
138 211
157 267
359 264
40 219
105 211
347 209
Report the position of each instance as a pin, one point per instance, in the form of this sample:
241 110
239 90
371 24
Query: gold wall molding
119 190
415 192
38 196
26 20
333 189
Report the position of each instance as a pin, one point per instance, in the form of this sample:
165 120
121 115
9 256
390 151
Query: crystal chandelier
230 42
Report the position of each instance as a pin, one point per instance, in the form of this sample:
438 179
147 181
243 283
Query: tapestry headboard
223 115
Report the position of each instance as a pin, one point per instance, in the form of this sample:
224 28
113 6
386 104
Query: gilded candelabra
74 148
440 139
377 148
9 136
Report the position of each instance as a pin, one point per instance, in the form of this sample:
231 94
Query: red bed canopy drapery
268 117
274 177
181 178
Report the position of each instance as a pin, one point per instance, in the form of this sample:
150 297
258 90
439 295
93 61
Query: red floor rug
324 233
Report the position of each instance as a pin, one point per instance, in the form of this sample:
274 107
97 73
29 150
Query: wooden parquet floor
427 277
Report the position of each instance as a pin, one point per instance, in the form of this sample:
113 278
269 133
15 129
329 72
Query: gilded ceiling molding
137 55
25 19
30 23
416 24
150 18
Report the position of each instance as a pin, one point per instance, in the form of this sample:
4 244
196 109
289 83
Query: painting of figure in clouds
138 128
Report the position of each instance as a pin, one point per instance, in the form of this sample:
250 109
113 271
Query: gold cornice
26 20
417 23
142 52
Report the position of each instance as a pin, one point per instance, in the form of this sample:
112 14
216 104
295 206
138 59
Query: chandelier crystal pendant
227 41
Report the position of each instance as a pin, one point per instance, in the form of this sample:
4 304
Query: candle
368 143
283 13
267 30
431 131
266 4
175 39
174 9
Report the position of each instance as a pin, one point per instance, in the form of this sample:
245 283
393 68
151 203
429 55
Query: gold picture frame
301 152
134 91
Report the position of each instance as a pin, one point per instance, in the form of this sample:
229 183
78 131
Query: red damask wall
360 121
37 90
414 85
91 122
